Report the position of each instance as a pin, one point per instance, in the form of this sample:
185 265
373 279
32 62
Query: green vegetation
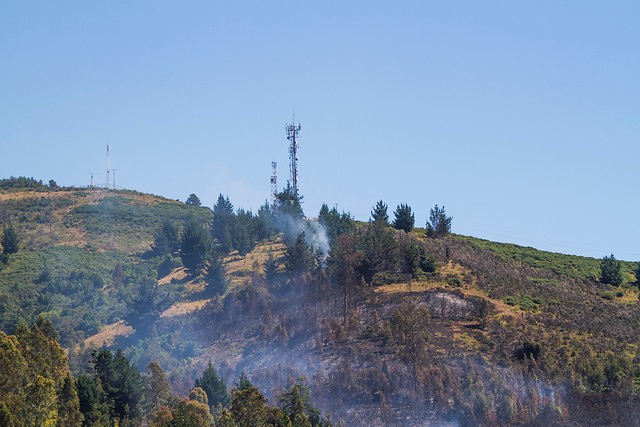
438 224
384 323
379 213
567 265
404 219
610 273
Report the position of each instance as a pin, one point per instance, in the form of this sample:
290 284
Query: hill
389 328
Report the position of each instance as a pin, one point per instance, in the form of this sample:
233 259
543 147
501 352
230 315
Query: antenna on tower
91 185
292 135
108 170
274 182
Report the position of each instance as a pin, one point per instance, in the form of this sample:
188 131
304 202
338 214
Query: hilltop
453 330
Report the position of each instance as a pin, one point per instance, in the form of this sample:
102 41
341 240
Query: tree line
38 389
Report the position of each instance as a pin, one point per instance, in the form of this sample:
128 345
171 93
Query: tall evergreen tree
439 224
290 204
379 213
610 273
10 240
167 239
223 223
214 386
334 223
404 218
300 257
244 231
216 276
266 221
195 246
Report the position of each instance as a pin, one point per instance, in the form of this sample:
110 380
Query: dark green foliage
52 184
193 200
335 223
439 224
10 240
167 239
525 302
271 269
404 218
223 223
243 382
216 276
244 231
610 273
214 386
637 274
379 213
289 206
130 220
380 250
296 404
121 383
300 257
414 256
266 222
195 246
22 182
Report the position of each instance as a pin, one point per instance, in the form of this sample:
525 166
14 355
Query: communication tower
292 135
274 182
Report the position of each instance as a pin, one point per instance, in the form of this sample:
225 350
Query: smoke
315 234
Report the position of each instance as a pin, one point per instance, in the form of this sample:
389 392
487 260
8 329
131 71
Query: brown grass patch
177 275
185 307
108 334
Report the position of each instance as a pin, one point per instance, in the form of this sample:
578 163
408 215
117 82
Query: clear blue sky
522 118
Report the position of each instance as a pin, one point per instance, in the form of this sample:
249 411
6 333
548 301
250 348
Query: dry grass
185 307
448 270
108 334
177 275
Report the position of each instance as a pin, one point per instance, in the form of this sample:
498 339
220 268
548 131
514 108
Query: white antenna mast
108 170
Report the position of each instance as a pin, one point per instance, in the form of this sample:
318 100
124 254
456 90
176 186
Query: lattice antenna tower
292 135
274 183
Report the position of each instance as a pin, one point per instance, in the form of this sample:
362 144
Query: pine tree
610 273
266 222
404 218
10 240
379 213
223 223
214 386
195 246
216 276
299 256
193 200
439 224
244 231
